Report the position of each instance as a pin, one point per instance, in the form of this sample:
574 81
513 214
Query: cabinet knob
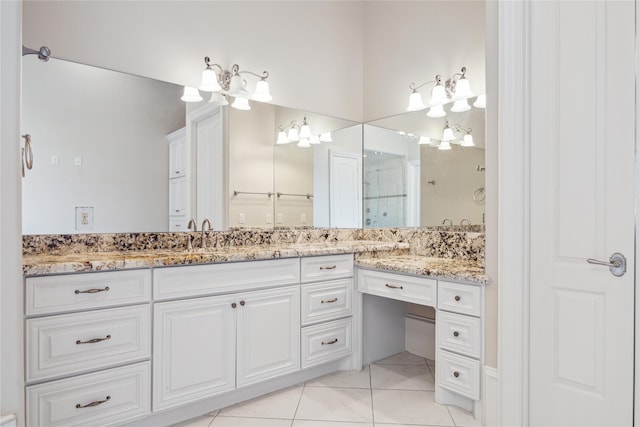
242 303
457 298
456 374
234 305
456 333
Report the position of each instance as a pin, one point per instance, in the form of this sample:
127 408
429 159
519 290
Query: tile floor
394 392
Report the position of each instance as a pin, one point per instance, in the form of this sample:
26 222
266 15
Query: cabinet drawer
326 300
326 342
326 267
101 399
195 280
458 333
458 373
396 286
459 298
73 292
73 343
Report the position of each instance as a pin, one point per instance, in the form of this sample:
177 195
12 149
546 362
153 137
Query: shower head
43 53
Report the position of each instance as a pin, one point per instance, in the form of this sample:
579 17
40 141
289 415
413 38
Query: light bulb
436 111
305 130
463 89
326 137
467 141
438 95
241 104
191 94
460 106
218 99
415 102
447 134
261 93
209 82
444 145
282 138
424 140
304 143
236 87
293 136
481 101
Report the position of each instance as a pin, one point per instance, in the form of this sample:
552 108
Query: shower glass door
385 190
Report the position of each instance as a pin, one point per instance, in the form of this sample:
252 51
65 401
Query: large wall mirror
409 181
102 158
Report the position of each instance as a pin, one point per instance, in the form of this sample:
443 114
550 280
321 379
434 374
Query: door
581 349
345 184
268 334
193 350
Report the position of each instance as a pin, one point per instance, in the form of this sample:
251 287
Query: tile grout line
373 411
304 386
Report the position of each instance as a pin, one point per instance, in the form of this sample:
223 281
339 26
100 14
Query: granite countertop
440 268
42 264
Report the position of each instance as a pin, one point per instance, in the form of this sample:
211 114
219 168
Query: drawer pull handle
457 298
456 374
94 403
329 301
330 267
92 291
393 286
456 334
333 341
94 340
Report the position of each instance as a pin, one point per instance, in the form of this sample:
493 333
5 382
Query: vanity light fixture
481 101
456 89
302 134
326 137
424 140
223 83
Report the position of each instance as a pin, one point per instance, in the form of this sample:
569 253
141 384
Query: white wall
116 124
312 49
11 285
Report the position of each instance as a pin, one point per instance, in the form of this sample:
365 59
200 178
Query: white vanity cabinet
327 301
207 345
88 345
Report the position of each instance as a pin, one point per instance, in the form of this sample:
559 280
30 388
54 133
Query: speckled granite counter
41 264
440 268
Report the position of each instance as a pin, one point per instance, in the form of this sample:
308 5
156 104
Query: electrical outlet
84 218
241 218
54 160
279 218
77 161
303 218
268 218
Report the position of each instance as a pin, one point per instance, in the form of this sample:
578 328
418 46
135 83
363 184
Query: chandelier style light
302 134
224 83
456 89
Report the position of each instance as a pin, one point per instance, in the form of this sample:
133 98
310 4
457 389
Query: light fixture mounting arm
415 88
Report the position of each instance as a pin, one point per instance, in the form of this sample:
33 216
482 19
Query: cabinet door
178 196
194 350
268 334
178 158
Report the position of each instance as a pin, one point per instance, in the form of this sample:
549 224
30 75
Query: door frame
514 195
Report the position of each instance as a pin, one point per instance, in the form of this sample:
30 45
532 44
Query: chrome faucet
192 223
203 241
444 222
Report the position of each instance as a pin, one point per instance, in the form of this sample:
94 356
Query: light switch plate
84 218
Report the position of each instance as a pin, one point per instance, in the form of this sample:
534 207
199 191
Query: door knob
617 264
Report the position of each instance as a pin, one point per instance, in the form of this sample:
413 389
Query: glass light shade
460 106
424 140
241 104
282 138
463 89
305 132
481 101
209 82
326 137
447 134
444 145
314 140
218 99
191 94
415 102
436 111
293 136
261 93
438 95
467 141
304 143
236 87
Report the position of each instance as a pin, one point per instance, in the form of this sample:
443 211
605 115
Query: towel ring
479 195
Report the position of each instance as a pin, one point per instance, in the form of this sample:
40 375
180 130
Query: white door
582 206
345 188
268 334
193 350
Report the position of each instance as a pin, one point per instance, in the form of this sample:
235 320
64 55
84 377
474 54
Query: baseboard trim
490 396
